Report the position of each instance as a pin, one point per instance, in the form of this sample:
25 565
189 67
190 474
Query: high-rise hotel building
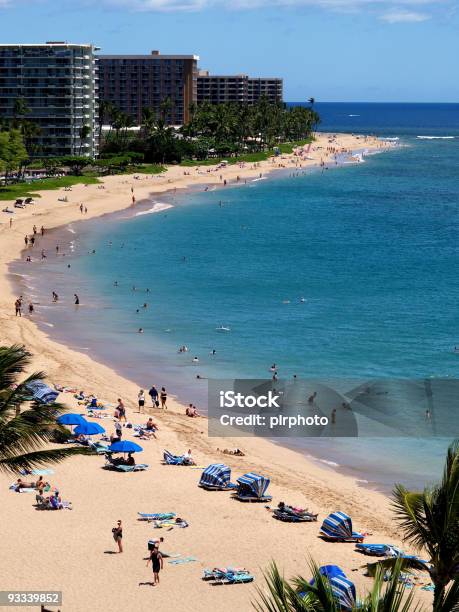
134 82
220 89
58 83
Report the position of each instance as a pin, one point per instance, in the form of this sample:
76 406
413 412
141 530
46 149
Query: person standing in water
17 307
77 299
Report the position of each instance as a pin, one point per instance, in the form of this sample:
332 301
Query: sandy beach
71 550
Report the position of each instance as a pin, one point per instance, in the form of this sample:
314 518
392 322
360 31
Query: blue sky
333 50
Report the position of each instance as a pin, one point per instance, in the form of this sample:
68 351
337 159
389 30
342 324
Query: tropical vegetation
316 594
26 426
235 132
428 520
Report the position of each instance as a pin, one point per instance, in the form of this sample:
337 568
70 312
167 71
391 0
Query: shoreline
294 478
46 325
182 396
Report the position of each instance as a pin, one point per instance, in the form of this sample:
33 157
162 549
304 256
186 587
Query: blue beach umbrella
125 446
71 418
89 429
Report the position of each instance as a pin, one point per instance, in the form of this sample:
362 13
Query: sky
332 50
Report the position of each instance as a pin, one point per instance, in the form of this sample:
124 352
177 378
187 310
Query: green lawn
286 147
27 190
147 169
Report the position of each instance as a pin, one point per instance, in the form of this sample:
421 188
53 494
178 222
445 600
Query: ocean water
349 273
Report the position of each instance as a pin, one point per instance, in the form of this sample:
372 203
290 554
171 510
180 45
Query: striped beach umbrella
41 392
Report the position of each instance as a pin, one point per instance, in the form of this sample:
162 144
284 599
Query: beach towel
158 516
182 561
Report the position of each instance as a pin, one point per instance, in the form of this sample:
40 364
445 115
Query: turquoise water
345 273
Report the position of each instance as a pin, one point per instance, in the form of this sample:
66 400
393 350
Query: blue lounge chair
342 588
98 447
378 550
337 527
216 477
140 467
228 576
252 488
170 459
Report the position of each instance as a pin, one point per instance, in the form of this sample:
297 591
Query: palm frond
280 596
36 459
410 516
450 600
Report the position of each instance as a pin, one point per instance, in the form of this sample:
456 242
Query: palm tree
24 434
430 521
302 596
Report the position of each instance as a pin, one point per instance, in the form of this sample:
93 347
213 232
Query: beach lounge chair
216 477
337 527
128 468
342 588
378 550
217 572
228 576
155 516
98 447
290 514
252 488
170 459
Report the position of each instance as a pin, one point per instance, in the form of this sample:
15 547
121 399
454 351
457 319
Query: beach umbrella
89 429
71 418
125 446
41 392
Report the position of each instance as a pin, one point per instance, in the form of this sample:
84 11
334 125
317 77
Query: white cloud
403 16
197 5
388 11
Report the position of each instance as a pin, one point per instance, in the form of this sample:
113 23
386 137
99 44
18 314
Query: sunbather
20 484
151 425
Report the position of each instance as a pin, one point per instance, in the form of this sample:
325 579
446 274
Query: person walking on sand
34 229
121 410
26 240
118 536
42 230
157 565
163 397
141 400
153 393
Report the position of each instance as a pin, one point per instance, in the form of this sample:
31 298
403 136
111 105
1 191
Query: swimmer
195 360
140 330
